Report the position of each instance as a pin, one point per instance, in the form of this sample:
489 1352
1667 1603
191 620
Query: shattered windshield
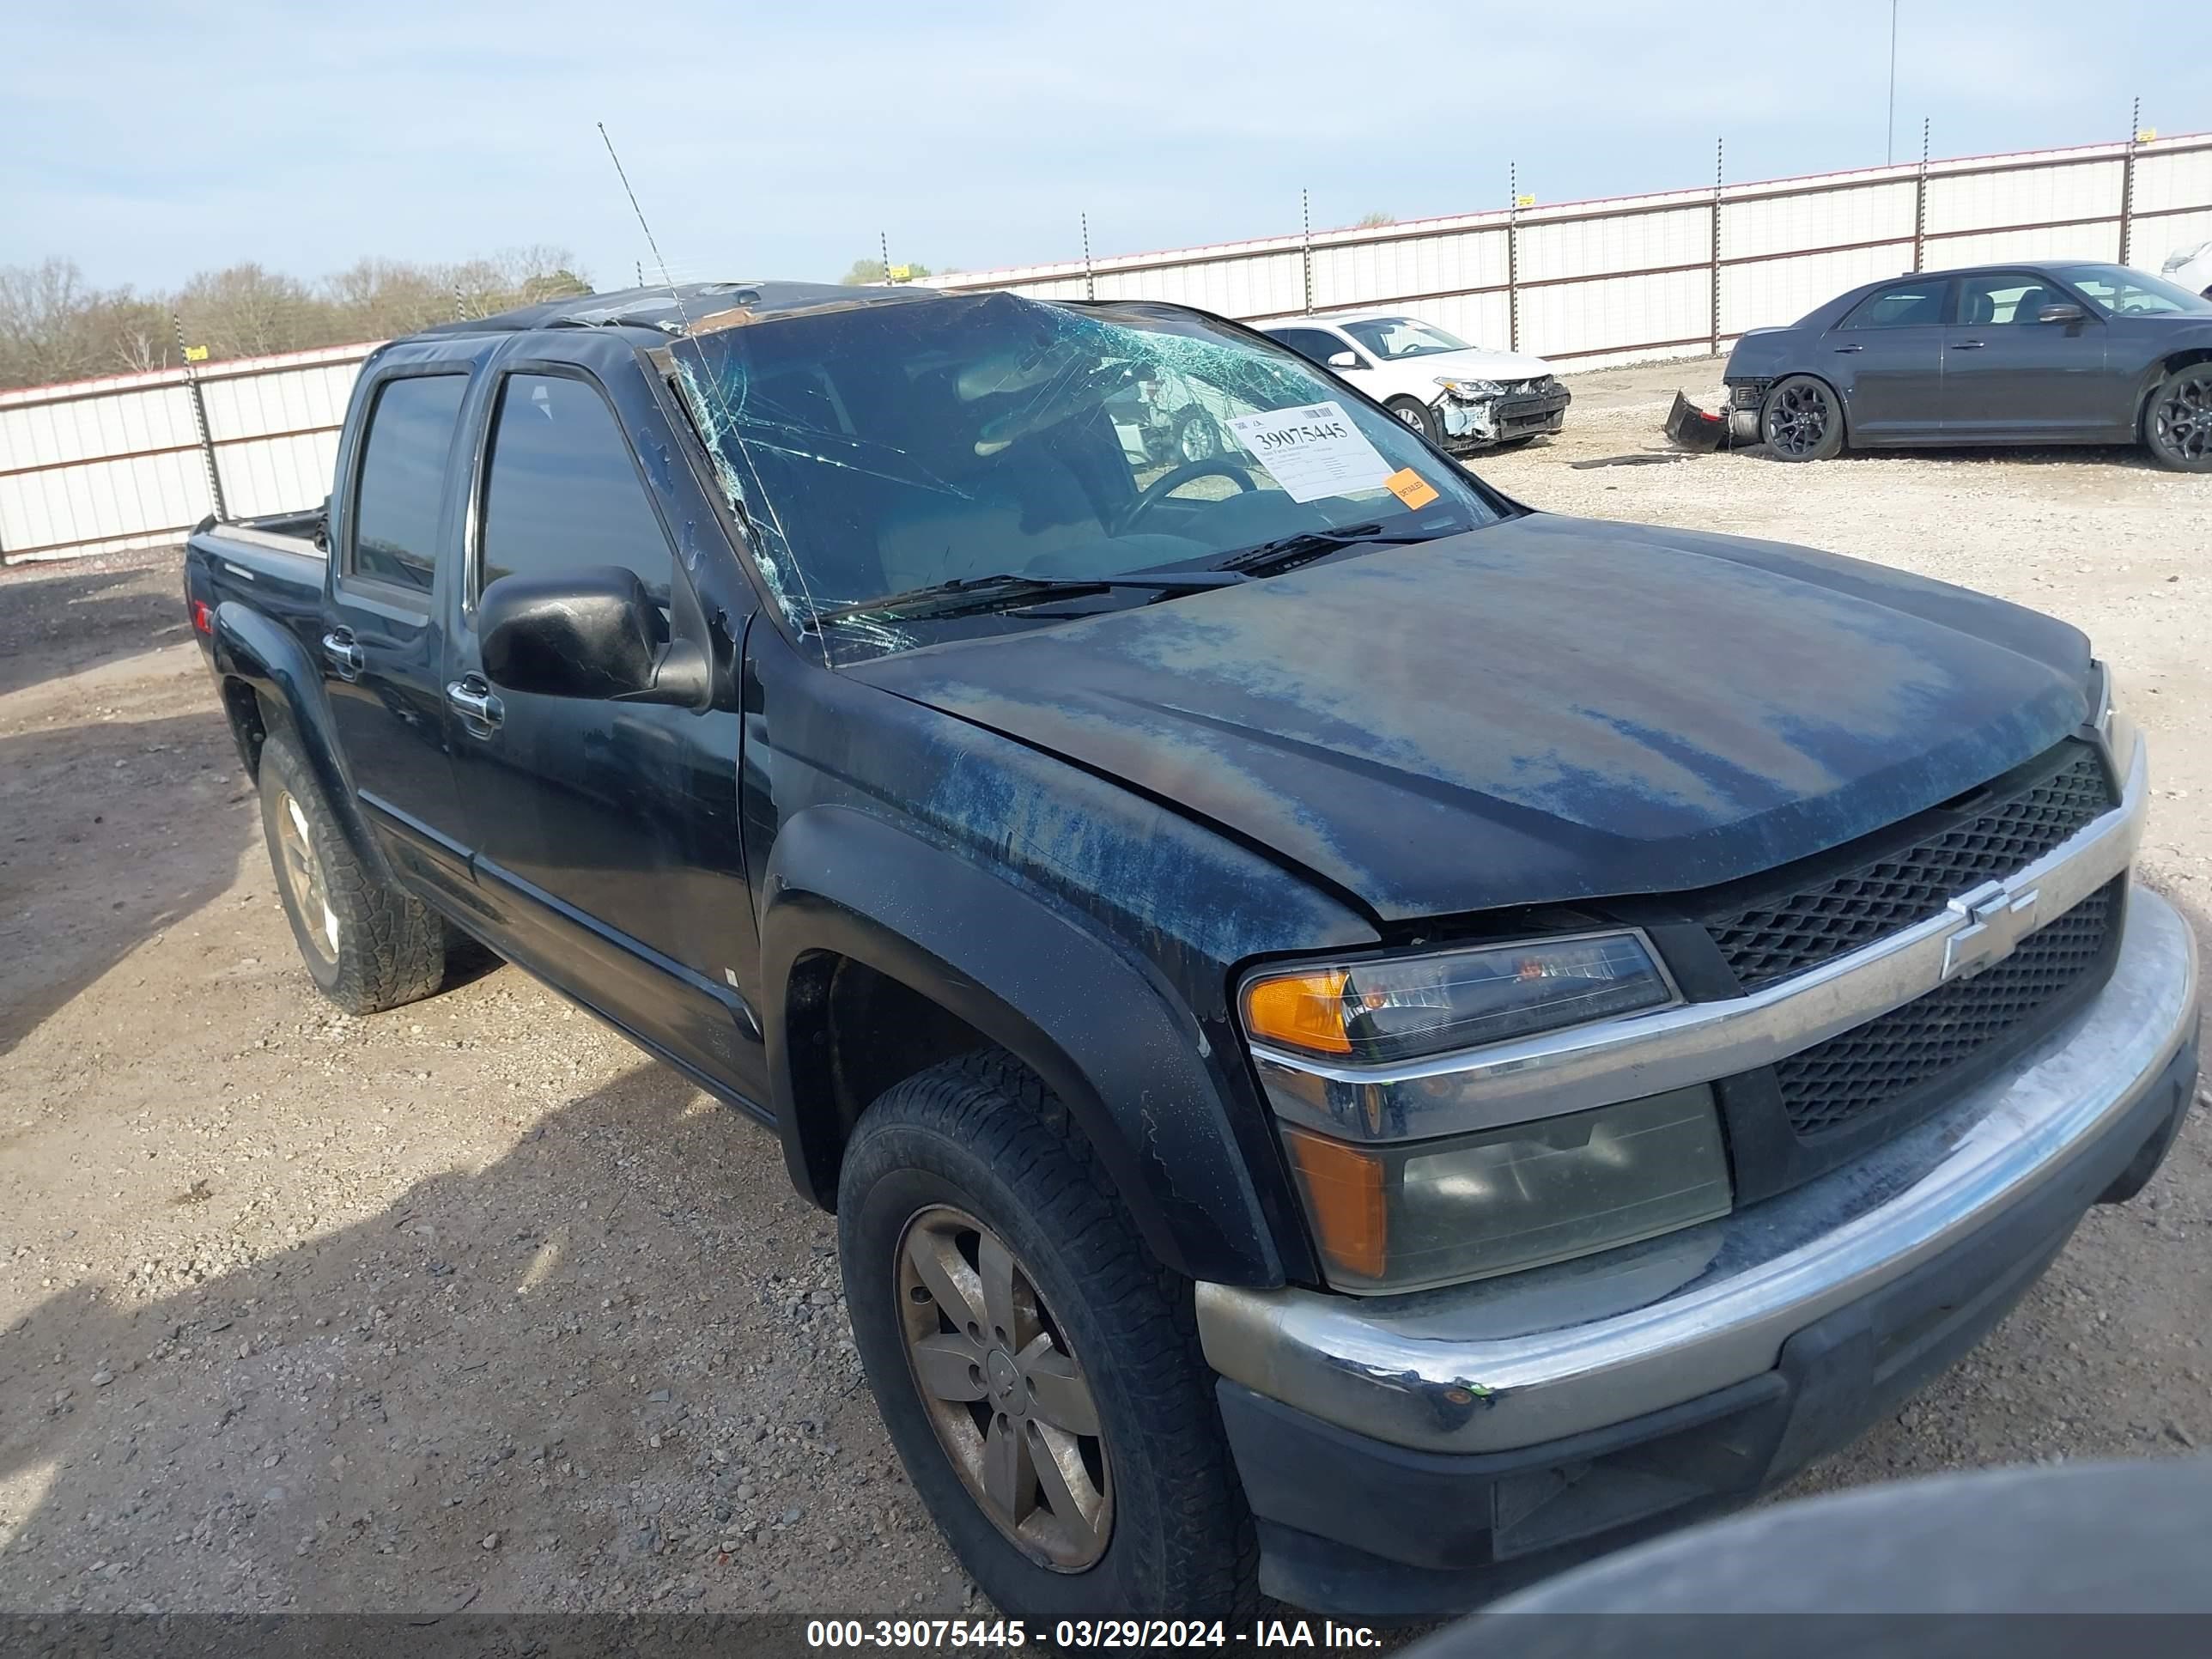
877 451
1403 337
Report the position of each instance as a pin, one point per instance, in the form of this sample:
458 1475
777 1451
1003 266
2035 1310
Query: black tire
368 946
1418 415
2177 420
1803 420
981 1136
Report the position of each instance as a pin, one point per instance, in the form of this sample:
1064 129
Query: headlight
2180 257
1413 1217
1398 1007
2113 722
1469 390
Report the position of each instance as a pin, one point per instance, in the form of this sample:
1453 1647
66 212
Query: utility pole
1889 139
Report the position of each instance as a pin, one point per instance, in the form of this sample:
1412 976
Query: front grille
1872 1066
1772 940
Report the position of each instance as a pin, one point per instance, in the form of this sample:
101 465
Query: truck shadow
510 1389
54 621
111 831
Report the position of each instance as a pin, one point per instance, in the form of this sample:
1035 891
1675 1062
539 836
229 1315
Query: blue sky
149 142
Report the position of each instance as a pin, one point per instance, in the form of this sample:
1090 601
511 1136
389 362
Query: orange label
1410 487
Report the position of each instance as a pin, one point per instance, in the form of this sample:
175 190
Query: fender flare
268 657
1107 1035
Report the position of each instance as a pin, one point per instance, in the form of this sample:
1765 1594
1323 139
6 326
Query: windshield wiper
968 594
1271 558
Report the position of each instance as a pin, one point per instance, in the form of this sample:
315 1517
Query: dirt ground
472 1305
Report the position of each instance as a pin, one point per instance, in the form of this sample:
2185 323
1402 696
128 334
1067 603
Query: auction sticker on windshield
1312 451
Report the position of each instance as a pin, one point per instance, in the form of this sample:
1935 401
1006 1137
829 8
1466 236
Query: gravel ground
471 1305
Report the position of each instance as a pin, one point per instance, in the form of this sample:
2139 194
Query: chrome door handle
476 702
344 654
1850 347
1966 345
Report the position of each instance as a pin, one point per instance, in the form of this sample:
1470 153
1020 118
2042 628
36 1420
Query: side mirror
593 633
1343 360
2066 313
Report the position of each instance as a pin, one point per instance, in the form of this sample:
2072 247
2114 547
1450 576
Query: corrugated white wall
110 464
95 466
1594 282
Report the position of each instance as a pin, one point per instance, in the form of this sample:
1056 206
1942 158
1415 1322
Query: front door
384 657
1886 356
606 843
2007 373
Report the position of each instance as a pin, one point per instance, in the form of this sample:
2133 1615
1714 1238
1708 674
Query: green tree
867 272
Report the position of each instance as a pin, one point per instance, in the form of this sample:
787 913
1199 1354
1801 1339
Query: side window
562 492
403 479
1312 343
1997 297
1901 306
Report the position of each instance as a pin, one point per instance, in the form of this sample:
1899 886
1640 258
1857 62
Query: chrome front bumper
1537 1356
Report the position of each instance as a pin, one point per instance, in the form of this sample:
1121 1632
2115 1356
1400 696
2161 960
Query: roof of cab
679 308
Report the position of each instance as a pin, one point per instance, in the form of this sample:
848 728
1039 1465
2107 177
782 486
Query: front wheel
1417 415
2176 426
1803 420
1038 1372
367 945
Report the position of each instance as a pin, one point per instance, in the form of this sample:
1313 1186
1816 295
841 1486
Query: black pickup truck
1365 1042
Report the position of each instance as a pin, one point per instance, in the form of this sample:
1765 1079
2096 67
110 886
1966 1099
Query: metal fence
1683 272
134 460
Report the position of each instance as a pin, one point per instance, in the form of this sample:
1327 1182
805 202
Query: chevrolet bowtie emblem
1992 920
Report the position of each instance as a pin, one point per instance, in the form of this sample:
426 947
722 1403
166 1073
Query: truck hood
1547 709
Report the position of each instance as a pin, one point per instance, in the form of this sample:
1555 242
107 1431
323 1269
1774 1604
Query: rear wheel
2177 425
1417 415
1038 1372
1803 420
1196 437
367 945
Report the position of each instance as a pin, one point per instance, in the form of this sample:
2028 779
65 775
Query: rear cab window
399 490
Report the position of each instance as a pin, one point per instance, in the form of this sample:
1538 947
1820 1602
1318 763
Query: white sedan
1462 396
2191 267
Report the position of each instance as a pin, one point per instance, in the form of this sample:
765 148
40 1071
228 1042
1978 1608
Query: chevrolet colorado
1365 1042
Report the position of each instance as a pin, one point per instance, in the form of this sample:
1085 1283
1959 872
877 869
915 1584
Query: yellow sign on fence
195 354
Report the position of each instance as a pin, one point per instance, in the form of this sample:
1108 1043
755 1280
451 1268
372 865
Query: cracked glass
875 450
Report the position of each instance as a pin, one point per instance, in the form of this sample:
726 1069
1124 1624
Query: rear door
2009 375
384 655
1885 357
607 850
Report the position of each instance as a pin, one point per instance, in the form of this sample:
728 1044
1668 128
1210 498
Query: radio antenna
650 240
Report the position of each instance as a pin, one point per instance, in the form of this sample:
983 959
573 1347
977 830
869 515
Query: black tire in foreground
1418 415
368 946
1803 420
2177 421
1038 1371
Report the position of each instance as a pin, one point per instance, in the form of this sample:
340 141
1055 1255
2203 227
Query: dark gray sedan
2043 354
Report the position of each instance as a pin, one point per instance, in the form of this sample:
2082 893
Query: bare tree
56 326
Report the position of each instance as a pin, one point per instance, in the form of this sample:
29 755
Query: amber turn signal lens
1344 1199
1299 1011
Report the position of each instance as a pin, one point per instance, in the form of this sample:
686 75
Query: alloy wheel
1412 417
2182 421
302 871
1011 1404
1799 419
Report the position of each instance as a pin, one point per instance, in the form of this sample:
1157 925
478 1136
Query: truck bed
266 564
